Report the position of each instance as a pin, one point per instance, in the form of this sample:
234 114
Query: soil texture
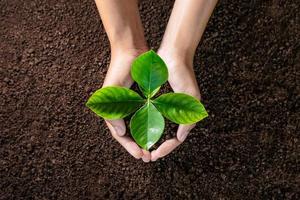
55 53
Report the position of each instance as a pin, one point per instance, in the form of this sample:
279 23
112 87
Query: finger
146 156
118 125
183 131
127 143
165 148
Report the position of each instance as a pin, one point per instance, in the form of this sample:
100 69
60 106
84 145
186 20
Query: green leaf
180 108
151 94
149 71
147 126
114 102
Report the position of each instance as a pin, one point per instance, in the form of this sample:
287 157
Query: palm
119 75
182 79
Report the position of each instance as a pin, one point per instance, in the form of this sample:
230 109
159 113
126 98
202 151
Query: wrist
132 41
129 50
176 57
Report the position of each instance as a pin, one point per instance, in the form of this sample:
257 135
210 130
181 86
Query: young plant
147 123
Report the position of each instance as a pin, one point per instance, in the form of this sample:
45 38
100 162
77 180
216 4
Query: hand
119 75
182 79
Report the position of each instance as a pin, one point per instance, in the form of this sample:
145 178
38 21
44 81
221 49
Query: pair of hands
181 79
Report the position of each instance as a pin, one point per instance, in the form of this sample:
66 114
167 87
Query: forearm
186 26
122 23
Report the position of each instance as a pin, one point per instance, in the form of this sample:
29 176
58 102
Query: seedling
147 123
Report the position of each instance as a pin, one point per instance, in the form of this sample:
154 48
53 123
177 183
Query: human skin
182 36
125 32
185 28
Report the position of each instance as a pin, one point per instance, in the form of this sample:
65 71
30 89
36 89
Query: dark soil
54 53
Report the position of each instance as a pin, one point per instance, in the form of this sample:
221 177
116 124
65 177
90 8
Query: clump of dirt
53 54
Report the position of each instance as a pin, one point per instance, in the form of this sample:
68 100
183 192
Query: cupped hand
118 74
182 79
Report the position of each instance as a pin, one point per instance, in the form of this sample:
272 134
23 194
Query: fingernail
145 159
153 160
119 130
183 136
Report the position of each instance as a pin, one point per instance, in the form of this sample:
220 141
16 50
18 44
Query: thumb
118 125
183 131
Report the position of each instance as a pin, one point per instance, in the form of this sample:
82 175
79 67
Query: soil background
54 53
